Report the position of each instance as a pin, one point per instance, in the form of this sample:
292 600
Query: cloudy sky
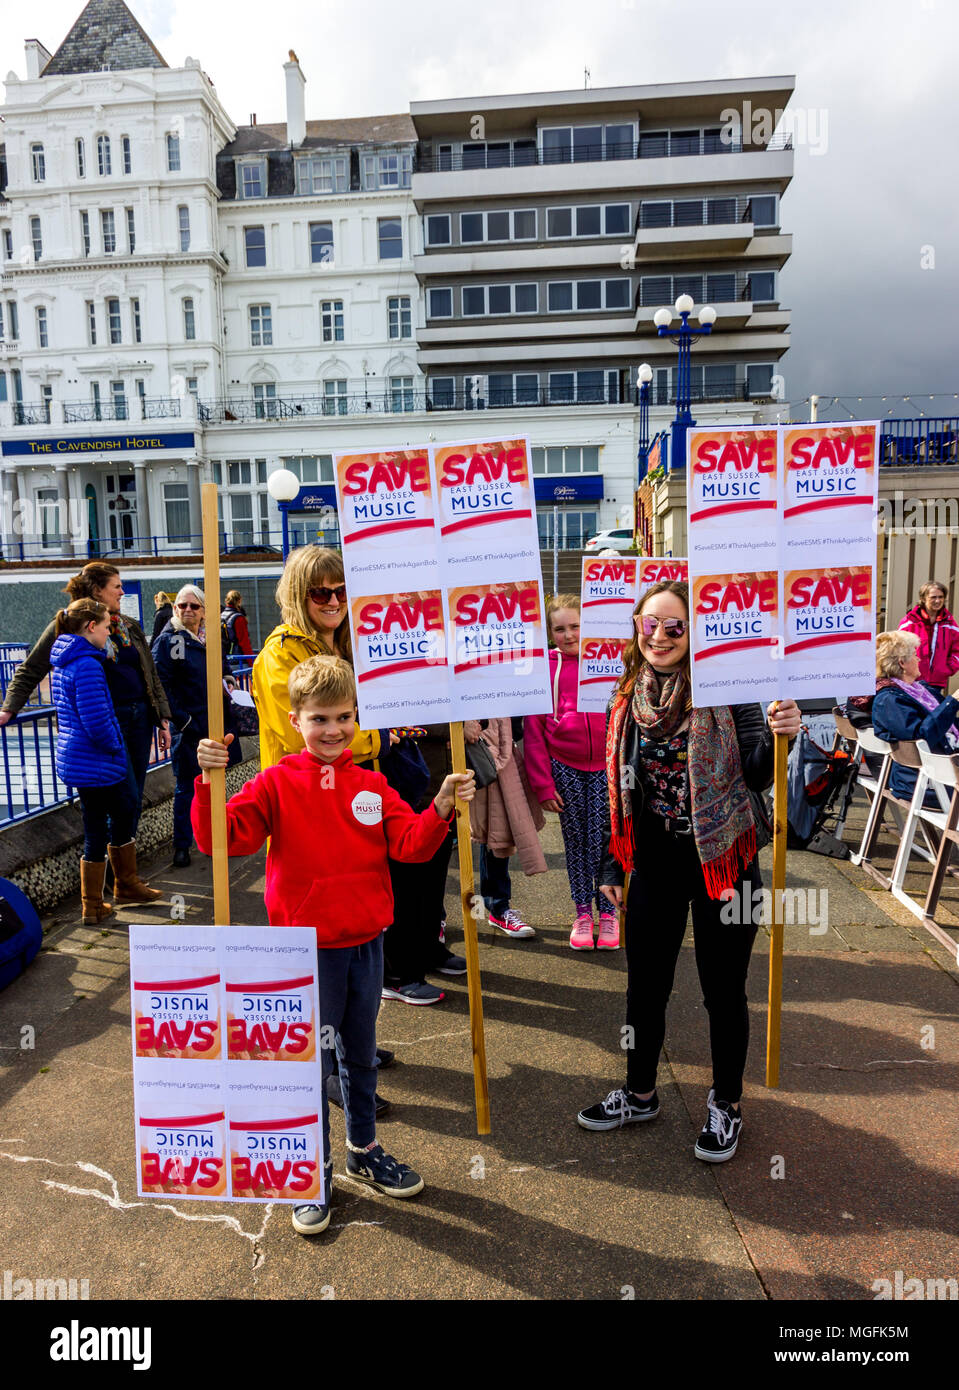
872 284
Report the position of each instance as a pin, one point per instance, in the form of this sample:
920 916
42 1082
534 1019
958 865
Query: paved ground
845 1174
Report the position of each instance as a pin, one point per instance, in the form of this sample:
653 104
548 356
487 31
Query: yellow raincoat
285 648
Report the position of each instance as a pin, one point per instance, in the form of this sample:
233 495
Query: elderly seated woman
906 710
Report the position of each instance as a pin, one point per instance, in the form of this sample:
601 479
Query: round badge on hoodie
367 807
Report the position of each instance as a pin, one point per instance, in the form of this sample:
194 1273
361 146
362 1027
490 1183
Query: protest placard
600 669
399 656
607 596
830 479
664 570
735 637
238 1122
733 498
387 518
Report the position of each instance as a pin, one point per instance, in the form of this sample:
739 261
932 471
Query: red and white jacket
332 827
938 644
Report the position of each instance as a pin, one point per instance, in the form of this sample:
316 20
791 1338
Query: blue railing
12 655
930 440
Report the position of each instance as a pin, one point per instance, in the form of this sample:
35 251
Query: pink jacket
578 740
944 660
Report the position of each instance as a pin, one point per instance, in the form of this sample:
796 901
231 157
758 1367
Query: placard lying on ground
782 549
226 1063
458 631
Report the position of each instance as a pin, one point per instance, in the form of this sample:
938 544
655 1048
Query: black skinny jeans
109 817
668 878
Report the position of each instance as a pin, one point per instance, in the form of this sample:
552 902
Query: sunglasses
184 606
673 627
323 595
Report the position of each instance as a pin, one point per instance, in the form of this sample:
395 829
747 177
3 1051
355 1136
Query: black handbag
480 759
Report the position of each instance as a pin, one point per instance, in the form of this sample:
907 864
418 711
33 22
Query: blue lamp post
644 376
283 486
684 337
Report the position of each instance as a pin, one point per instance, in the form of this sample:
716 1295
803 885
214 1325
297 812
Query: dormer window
387 169
323 174
251 178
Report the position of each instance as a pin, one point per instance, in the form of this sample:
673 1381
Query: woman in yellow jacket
311 596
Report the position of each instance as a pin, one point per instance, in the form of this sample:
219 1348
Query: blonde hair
326 679
188 591
893 650
553 605
77 614
233 597
307 567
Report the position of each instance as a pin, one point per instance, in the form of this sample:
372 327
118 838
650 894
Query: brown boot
129 887
91 892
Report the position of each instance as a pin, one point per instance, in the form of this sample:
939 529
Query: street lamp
283 485
644 376
684 337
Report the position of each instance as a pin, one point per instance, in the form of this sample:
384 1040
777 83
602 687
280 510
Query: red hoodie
331 827
578 740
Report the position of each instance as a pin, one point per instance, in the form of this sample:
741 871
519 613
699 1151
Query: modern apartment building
184 299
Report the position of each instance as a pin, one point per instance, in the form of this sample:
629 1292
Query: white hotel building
182 299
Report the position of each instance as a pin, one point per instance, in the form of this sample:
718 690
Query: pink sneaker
608 938
581 937
512 923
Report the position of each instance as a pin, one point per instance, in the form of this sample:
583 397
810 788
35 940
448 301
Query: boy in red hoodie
565 754
332 828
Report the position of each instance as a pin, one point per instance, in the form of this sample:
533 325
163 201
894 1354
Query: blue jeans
186 769
495 884
351 982
136 725
109 817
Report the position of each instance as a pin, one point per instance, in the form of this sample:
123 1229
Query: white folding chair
918 818
879 796
940 771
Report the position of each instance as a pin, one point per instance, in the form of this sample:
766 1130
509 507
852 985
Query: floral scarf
723 826
119 636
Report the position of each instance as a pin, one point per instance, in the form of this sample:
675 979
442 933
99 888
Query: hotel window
43 339
261 325
108 230
85 232
7 244
137 326
189 320
438 230
238 473
441 304
142 395
492 226
183 225
390 234
91 323
48 506
331 320
95 400
569 460
589 295
617 219
118 392
759 379
103 155
572 144
309 468
525 299
131 231
321 243
401 393
387 170
442 392
126 154
524 224
720 211
176 504
38 163
13 320
113 321
399 317
193 387
335 400
46 401
264 400
474 300
761 286
252 180
507 388
588 387
323 175
173 153
3 388
81 158
762 211
36 238
255 240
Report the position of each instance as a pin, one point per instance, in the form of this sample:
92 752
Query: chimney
37 57
295 101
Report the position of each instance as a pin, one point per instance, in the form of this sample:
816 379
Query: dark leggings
109 817
668 878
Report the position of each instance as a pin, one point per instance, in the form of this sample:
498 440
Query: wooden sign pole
780 824
214 702
465 848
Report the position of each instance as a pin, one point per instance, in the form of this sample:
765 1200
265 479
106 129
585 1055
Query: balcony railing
30 414
712 210
77 412
906 443
723 287
648 147
161 408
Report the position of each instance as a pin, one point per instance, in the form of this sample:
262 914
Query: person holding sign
320 797
686 821
566 767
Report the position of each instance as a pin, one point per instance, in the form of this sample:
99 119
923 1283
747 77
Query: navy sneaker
383 1173
720 1134
384 1057
453 965
419 992
618 1109
310 1220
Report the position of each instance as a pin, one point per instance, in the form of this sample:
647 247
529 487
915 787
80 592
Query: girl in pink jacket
565 754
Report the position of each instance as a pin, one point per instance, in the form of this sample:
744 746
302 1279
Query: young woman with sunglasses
687 822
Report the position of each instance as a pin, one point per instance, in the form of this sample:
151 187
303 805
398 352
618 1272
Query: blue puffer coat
90 747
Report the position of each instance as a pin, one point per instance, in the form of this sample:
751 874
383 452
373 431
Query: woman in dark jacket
685 821
138 699
235 627
180 655
904 709
92 756
163 614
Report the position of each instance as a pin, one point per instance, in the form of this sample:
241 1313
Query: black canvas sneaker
618 1109
720 1133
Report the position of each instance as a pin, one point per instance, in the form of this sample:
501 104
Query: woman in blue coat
92 755
180 656
905 710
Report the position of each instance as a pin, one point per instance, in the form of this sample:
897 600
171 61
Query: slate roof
354 130
106 35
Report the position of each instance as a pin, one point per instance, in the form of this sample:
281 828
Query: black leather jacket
757 751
